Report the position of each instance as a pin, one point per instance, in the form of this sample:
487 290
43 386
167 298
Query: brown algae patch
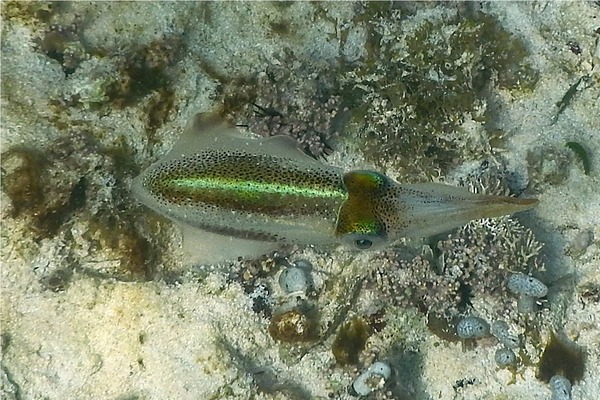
561 357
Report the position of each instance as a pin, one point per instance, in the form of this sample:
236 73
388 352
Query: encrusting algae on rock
236 196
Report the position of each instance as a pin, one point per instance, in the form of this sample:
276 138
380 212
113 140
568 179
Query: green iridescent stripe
254 188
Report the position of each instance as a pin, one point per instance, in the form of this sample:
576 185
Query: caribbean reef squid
235 196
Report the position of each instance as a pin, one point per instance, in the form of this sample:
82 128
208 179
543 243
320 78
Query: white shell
373 378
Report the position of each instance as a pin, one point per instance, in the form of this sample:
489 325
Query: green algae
582 154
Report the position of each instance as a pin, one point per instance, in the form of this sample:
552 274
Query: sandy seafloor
101 336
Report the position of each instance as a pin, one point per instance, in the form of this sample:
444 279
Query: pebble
561 388
472 328
527 286
505 357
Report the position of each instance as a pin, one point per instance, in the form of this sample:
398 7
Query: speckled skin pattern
249 196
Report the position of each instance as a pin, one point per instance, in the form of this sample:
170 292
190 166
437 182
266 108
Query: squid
234 196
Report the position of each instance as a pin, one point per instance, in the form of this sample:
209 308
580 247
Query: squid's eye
363 244
361 241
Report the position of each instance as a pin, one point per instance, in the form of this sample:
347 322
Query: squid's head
359 223
379 211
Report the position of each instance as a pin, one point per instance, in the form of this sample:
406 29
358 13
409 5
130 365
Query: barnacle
561 388
500 330
296 278
528 289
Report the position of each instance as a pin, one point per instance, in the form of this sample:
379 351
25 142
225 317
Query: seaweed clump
29 13
561 357
424 82
99 79
73 192
582 154
38 189
350 341
549 165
